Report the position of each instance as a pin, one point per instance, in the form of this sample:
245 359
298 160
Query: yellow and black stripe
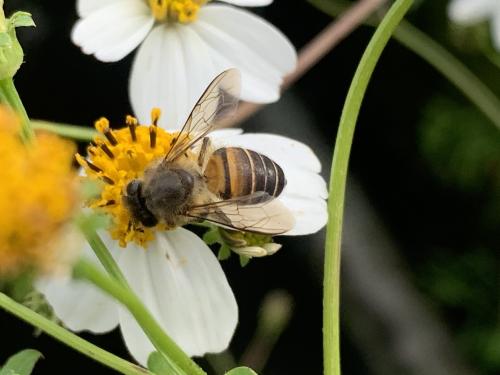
235 172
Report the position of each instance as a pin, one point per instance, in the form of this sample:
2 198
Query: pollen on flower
183 11
115 158
38 197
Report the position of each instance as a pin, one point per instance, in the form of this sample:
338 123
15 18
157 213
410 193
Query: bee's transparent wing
219 100
258 213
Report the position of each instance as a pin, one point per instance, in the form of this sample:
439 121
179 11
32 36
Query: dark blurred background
420 282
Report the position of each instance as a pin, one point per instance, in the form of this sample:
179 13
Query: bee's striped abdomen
235 172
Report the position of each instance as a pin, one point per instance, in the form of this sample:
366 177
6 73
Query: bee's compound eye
134 188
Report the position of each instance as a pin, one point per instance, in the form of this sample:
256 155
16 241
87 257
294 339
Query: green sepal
212 236
244 260
224 252
21 363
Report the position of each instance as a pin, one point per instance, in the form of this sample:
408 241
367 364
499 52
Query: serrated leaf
160 365
241 371
21 363
21 19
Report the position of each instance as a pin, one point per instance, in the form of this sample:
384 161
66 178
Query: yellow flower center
117 157
38 196
183 11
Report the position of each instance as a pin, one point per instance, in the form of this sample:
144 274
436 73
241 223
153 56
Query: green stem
124 295
80 133
11 97
437 56
331 296
70 339
104 256
162 342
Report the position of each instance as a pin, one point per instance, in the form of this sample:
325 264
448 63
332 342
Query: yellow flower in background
38 196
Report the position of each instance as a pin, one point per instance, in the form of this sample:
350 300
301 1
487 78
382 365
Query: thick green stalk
338 176
124 295
437 56
10 97
70 339
81 133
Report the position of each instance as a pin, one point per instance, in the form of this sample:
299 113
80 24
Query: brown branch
314 51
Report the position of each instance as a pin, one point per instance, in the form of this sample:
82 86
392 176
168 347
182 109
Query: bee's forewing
219 101
268 216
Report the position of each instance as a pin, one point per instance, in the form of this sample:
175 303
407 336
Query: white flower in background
185 43
470 12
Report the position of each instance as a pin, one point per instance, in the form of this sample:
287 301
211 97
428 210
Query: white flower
177 276
184 48
470 12
178 279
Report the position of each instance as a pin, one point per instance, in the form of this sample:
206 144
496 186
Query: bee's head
165 190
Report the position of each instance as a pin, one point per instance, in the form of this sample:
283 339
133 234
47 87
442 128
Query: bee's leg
203 151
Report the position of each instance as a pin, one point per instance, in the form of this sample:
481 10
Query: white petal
112 32
170 71
85 7
237 38
249 3
306 190
218 135
182 284
310 215
302 183
283 150
471 11
79 304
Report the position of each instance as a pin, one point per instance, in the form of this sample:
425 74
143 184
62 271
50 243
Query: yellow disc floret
117 157
183 11
38 196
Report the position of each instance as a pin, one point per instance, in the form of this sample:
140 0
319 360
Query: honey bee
232 187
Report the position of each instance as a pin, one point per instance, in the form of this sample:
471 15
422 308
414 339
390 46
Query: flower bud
11 53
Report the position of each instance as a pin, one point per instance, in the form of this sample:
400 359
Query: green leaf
21 363
241 371
21 19
160 365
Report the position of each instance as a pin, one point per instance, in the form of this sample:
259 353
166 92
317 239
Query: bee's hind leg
205 145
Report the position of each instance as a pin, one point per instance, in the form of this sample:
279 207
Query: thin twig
314 51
